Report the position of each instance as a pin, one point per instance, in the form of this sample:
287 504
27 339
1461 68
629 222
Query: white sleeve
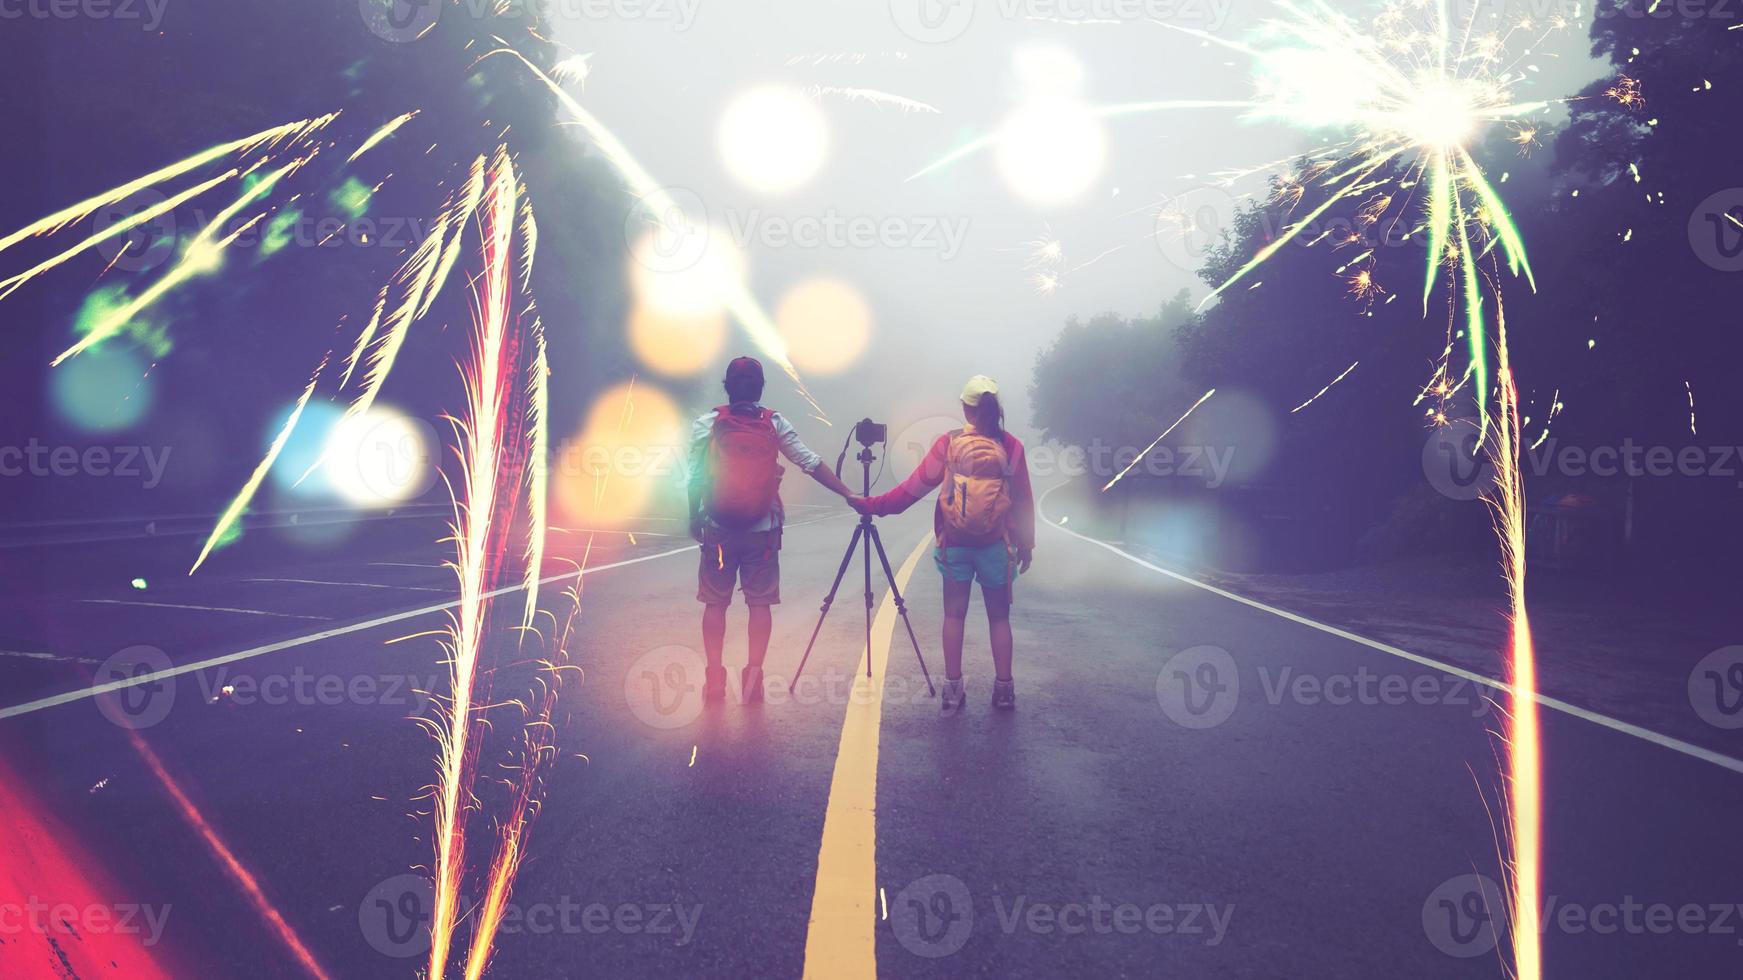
793 447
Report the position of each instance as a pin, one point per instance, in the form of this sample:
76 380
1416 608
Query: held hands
859 504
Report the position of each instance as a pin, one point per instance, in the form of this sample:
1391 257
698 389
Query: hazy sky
947 283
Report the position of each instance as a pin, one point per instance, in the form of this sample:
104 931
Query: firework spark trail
9 286
870 95
239 505
367 335
1158 440
654 199
61 219
488 389
227 859
1328 387
538 413
381 134
1524 779
199 257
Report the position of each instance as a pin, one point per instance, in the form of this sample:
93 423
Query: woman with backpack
985 528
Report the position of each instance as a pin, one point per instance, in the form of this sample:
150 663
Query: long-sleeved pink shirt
930 473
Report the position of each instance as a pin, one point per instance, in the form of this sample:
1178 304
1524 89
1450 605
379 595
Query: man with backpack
736 515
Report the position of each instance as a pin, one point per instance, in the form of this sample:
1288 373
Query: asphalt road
1190 786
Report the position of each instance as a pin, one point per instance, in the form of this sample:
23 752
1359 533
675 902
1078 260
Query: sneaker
713 685
750 682
1004 694
952 699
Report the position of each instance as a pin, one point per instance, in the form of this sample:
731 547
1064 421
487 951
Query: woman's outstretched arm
920 483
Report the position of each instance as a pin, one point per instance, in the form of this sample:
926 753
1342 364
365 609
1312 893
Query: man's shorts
751 559
994 564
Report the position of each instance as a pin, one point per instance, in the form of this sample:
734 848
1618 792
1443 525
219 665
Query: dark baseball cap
744 369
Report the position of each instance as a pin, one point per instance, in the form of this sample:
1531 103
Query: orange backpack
744 474
977 488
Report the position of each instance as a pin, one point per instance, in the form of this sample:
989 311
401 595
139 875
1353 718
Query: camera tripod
867 532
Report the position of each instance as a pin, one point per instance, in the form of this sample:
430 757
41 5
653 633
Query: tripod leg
871 535
901 606
840 573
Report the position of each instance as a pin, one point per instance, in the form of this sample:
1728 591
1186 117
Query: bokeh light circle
773 139
1050 151
381 458
629 452
104 389
826 323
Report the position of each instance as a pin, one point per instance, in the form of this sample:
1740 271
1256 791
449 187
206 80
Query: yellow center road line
842 938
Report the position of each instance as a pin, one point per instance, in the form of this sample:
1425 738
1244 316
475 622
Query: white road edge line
348 585
69 697
1614 724
222 609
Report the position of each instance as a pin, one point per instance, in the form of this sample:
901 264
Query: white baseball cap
977 386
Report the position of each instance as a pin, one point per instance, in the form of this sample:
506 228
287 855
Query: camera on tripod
870 433
865 534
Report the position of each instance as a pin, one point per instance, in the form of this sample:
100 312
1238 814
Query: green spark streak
1474 330
1105 112
1501 219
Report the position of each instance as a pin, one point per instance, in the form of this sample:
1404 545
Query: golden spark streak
382 134
239 505
1158 440
1328 387
77 212
11 285
481 459
538 411
1524 751
196 259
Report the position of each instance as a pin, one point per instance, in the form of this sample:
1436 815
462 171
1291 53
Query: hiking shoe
951 699
714 685
1004 694
750 682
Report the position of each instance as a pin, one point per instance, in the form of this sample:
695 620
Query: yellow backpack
976 494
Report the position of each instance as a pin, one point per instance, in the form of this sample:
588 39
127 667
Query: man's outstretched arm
810 463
